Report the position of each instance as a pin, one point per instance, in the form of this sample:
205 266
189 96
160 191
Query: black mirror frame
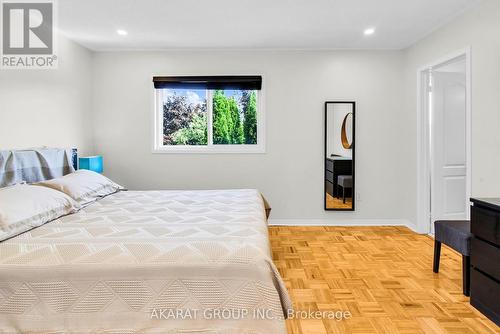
353 155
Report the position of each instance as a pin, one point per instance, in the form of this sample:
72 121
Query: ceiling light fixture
122 32
369 31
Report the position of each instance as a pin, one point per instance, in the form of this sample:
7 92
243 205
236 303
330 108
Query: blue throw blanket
34 165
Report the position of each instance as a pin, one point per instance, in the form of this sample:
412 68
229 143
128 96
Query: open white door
449 144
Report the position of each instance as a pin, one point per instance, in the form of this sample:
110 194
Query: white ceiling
269 24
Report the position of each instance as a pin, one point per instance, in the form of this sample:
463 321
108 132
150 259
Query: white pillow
23 207
84 186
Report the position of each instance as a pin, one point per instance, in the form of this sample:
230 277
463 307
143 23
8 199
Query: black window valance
244 82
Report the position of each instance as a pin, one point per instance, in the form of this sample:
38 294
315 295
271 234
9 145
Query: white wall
479 29
48 107
290 173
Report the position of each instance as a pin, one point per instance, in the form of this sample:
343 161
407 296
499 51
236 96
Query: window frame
159 147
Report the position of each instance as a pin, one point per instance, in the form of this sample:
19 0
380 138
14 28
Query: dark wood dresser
334 167
485 257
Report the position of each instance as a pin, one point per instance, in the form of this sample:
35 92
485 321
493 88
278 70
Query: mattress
146 262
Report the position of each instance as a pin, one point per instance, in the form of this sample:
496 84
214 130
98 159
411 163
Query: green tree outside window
234 119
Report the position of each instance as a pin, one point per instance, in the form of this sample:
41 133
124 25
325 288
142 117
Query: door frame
423 135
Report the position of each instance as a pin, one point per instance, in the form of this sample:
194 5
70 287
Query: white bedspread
126 262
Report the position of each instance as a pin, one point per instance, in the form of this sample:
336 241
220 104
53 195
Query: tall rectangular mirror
339 155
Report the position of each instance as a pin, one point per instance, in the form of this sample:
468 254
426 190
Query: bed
146 262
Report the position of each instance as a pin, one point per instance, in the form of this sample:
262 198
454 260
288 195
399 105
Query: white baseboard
342 222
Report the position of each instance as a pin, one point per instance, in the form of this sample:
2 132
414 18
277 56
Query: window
184 114
208 114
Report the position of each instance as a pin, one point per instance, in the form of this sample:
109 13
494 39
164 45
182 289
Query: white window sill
216 149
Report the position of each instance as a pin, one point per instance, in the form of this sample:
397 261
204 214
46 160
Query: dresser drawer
329 165
329 188
485 224
485 257
329 176
484 295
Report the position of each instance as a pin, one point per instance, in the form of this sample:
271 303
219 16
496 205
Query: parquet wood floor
381 275
338 203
